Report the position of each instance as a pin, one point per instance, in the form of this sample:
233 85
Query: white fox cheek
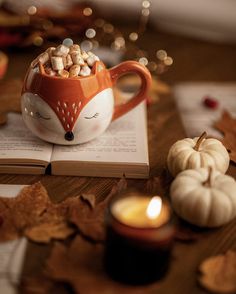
40 118
95 116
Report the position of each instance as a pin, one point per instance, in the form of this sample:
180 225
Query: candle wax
132 211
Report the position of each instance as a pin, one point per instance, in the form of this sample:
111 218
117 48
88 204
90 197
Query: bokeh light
133 36
90 33
87 11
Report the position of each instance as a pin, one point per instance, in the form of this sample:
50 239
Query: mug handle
131 67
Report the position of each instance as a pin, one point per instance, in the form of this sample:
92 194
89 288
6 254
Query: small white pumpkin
204 197
197 152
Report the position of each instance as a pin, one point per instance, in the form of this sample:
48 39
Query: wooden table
193 61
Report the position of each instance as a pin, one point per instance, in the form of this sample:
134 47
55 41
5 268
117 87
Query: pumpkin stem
199 141
208 180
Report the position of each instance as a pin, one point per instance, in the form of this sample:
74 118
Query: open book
121 150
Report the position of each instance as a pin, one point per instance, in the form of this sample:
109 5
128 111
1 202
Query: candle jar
137 249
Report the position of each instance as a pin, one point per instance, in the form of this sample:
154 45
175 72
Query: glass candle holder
140 234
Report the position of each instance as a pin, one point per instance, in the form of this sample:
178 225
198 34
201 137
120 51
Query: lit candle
141 212
140 233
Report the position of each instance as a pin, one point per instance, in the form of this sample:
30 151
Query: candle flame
154 207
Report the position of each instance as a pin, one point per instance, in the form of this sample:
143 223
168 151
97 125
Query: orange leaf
219 273
90 219
32 214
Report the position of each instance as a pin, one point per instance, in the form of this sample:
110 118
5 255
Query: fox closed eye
93 116
38 115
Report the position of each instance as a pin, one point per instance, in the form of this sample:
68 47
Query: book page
196 117
11 253
125 140
18 143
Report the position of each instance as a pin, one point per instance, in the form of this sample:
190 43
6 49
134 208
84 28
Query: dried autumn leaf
227 125
32 214
90 198
81 265
219 273
90 220
44 232
230 143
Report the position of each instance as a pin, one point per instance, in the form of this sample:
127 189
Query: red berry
210 102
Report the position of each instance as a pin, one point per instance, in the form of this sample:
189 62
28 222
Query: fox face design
68 111
92 121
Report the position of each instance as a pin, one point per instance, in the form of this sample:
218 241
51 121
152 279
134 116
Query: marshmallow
85 71
77 58
57 63
61 50
43 58
74 71
84 55
63 73
75 48
67 61
92 59
50 51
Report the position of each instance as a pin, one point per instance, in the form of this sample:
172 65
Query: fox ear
98 67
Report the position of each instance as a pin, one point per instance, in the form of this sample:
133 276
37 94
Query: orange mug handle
131 67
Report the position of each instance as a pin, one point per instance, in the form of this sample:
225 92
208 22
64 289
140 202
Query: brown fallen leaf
81 265
10 93
89 219
90 198
227 125
218 273
33 215
44 232
229 142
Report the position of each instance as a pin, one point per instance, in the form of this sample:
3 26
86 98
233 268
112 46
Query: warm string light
106 34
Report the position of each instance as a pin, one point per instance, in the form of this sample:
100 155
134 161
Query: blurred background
177 40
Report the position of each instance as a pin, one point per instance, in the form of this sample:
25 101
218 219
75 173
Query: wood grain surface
193 61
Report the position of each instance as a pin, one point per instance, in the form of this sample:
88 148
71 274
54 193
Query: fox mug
71 111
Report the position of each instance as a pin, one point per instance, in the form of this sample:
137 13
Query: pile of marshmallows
66 61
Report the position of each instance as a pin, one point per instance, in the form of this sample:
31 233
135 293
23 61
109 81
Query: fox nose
69 136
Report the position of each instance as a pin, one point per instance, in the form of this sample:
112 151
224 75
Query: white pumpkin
197 152
204 197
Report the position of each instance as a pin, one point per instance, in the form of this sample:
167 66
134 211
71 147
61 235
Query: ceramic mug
76 110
